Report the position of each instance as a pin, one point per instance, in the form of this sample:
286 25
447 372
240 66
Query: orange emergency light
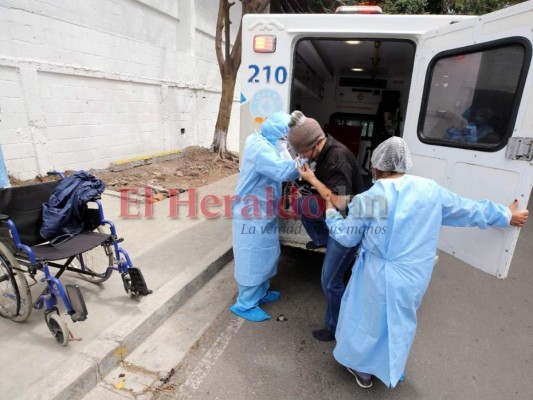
264 43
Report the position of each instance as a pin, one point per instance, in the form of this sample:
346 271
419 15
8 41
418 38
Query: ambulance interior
356 89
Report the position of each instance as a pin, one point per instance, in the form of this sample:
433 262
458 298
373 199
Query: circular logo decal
265 102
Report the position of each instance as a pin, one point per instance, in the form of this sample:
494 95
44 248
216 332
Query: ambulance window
471 98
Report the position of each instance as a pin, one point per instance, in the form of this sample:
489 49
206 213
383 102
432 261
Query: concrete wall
87 83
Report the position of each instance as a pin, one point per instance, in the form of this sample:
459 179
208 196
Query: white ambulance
458 89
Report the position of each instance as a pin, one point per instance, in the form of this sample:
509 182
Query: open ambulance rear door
304 61
469 122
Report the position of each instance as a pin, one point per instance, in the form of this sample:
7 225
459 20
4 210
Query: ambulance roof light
264 43
358 10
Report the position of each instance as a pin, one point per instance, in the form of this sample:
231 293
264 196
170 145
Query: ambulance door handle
519 148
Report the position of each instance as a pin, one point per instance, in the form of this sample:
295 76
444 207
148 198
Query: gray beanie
304 133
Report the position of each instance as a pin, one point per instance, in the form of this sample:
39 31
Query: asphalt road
474 341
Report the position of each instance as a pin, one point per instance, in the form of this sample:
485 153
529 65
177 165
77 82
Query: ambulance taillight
264 43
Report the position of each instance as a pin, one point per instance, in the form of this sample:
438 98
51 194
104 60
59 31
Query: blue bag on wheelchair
64 212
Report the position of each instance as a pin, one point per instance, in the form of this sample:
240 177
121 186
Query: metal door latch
519 148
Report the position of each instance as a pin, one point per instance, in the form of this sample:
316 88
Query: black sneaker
312 246
364 383
324 335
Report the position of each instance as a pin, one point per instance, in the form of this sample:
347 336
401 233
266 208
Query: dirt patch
194 167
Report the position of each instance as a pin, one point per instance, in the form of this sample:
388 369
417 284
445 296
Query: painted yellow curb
147 157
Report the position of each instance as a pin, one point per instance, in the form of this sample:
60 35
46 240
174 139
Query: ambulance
458 89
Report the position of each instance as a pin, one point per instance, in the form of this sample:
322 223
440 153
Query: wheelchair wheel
15 295
58 327
96 260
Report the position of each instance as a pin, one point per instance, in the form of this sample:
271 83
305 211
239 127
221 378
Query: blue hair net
276 126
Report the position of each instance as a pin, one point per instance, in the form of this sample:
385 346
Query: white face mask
283 149
281 143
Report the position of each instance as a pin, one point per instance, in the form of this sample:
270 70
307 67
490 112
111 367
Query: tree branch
227 28
237 51
247 8
258 6
218 35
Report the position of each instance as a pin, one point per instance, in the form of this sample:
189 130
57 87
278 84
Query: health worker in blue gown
256 247
397 221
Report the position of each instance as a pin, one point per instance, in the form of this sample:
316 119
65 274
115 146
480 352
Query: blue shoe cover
402 378
253 314
271 296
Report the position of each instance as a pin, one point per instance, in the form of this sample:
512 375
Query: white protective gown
398 221
256 247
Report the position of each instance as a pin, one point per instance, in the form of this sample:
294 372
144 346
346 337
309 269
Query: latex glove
518 217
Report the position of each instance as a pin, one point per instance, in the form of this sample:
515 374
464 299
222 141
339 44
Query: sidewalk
176 257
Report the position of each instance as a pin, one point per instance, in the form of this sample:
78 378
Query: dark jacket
63 213
337 168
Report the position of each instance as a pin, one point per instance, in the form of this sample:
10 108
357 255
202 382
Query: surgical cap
392 155
276 126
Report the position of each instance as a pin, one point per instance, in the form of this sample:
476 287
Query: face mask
283 149
281 143
312 157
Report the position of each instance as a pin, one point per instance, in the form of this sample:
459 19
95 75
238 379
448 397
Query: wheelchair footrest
77 303
138 284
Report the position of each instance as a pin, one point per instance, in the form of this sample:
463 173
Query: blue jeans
336 262
308 209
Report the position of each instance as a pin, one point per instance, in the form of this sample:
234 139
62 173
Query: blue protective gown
256 247
4 178
398 222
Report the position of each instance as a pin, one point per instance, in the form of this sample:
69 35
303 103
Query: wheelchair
93 255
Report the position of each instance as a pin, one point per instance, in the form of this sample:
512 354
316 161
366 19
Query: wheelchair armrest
4 217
